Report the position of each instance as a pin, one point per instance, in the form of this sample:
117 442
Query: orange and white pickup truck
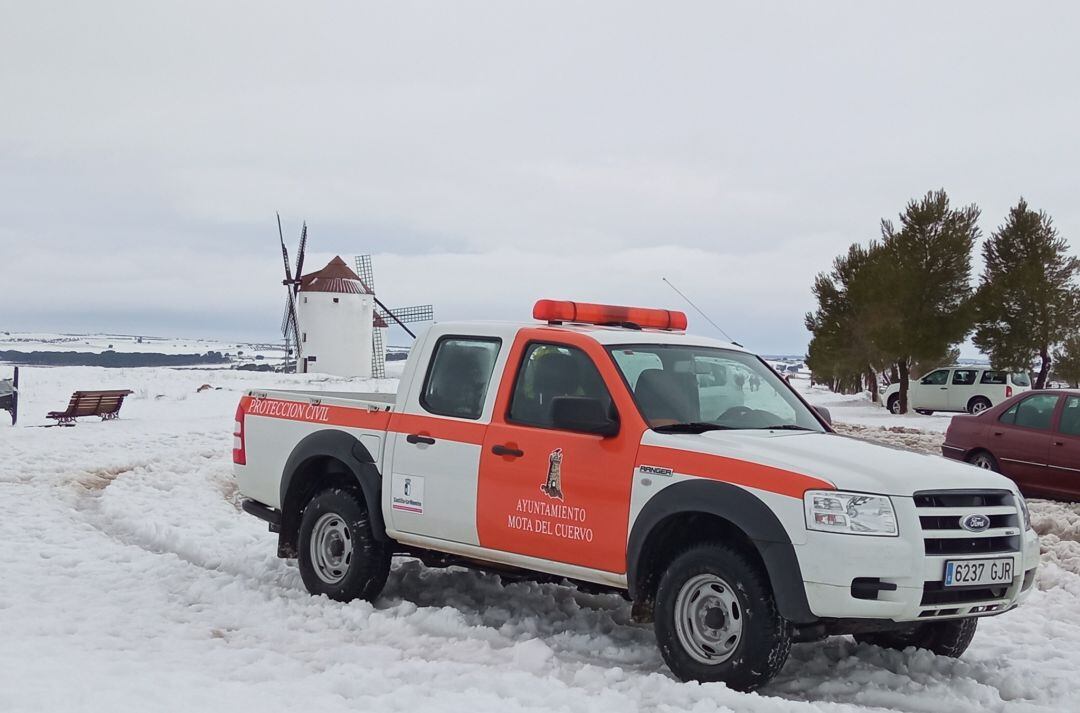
605 446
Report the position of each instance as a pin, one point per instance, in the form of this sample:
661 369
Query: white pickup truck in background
957 388
605 446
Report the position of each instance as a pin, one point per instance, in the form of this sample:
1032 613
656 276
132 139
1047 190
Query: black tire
344 561
764 640
894 404
985 460
944 638
978 405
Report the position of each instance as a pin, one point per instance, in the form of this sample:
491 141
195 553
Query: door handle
1059 443
507 451
997 433
417 439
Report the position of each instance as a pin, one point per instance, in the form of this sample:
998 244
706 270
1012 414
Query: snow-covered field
131 581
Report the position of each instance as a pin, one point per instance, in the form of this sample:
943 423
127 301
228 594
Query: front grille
941 512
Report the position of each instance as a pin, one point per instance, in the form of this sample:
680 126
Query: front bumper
900 578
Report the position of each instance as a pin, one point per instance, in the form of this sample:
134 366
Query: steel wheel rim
979 407
982 461
708 619
331 548
895 408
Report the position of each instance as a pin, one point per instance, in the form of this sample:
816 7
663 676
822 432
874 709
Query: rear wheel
978 404
717 620
338 554
982 459
944 638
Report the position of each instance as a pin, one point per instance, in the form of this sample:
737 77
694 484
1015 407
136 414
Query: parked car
605 446
957 388
1034 438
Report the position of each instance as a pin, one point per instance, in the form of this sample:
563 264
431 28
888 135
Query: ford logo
975 522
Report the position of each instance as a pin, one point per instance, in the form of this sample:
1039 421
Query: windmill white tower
329 317
384 317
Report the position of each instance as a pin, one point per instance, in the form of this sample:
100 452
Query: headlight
1024 511
850 513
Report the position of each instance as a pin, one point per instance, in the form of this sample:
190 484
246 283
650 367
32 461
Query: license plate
970 573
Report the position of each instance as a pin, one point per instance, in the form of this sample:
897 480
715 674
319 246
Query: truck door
435 441
932 391
551 492
963 388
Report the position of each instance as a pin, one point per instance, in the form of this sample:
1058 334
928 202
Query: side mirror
824 413
584 414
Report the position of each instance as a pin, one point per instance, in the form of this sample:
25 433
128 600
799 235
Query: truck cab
606 446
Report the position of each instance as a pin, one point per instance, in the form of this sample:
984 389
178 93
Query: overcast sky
489 154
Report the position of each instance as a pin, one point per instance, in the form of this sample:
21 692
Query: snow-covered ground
131 581
859 409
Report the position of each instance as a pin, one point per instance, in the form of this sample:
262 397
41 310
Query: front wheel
717 620
338 554
894 404
944 638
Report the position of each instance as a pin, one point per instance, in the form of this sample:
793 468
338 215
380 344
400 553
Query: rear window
458 378
993 377
1020 379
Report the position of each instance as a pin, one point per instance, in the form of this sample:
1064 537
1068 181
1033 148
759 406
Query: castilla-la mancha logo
553 487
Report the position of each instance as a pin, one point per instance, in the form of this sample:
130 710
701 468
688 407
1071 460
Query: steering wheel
736 412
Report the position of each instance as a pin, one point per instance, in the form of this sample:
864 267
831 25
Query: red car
1033 438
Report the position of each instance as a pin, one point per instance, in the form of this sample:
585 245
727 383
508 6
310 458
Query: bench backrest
96 403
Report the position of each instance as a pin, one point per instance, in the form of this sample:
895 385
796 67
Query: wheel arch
696 510
978 397
327 458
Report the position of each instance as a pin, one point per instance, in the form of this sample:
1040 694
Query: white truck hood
848 463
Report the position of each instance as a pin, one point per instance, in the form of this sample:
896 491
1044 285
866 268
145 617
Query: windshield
704 388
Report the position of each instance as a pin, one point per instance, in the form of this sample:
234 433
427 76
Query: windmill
384 315
290 328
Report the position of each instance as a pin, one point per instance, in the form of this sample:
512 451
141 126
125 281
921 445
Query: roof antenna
689 302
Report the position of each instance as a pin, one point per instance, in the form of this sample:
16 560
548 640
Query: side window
1070 416
547 372
963 377
458 377
1034 411
993 377
936 378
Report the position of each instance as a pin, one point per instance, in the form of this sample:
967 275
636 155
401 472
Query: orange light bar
583 312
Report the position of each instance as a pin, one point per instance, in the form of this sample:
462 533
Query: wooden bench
105 404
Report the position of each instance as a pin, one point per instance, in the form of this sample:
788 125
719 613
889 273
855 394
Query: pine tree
927 277
842 352
1067 361
1028 298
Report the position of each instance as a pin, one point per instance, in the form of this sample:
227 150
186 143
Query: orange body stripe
316 413
732 470
354 417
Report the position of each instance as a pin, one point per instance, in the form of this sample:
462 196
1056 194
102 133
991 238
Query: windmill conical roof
335 277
